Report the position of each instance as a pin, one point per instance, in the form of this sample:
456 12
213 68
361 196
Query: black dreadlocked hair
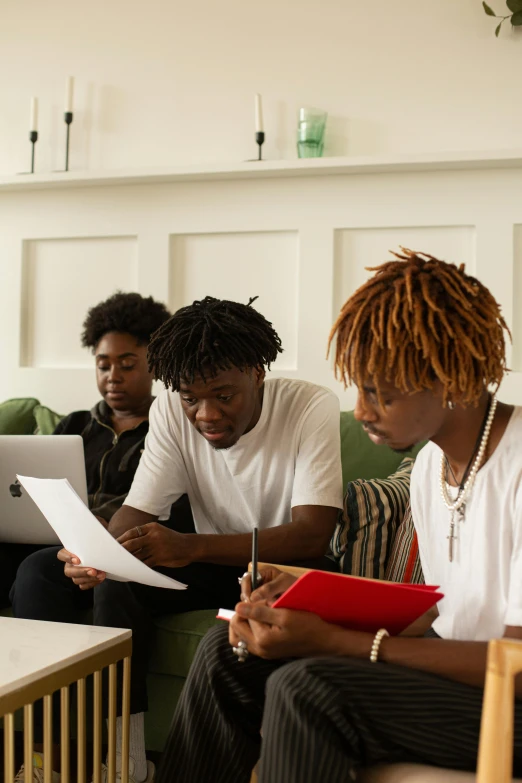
208 336
130 313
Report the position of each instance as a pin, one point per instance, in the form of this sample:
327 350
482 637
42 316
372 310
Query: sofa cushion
373 510
163 692
46 420
177 639
362 459
404 562
17 417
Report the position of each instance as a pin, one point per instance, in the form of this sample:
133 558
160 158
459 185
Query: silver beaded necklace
456 506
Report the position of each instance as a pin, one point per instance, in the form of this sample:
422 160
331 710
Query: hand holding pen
251 580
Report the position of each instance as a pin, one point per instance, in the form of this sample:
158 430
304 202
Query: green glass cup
310 133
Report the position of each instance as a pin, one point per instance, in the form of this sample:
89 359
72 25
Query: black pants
321 719
132 605
42 592
11 555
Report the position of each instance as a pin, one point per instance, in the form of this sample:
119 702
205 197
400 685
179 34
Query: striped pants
320 718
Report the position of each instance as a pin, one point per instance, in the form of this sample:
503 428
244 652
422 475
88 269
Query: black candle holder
260 140
68 117
33 138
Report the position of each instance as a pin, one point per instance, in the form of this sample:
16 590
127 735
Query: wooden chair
498 711
495 758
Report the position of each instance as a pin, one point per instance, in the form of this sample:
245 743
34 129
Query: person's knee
38 585
299 684
116 604
286 679
109 595
213 648
307 682
38 568
284 686
216 636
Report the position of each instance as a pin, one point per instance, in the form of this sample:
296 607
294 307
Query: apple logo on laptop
15 490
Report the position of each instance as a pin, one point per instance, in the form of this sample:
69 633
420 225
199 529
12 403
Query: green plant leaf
514 5
516 19
488 10
497 31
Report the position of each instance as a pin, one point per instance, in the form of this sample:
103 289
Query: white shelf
444 161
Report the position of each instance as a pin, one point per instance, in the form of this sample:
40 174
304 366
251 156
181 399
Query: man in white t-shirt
247 452
424 343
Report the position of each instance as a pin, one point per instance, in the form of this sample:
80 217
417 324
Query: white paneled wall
301 244
239 266
61 279
516 361
358 249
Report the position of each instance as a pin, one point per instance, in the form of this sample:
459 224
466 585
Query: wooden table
39 658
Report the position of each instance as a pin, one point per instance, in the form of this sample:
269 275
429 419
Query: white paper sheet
81 533
225 614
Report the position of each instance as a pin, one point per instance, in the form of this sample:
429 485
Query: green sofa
177 636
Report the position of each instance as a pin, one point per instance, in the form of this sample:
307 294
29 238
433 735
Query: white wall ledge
443 161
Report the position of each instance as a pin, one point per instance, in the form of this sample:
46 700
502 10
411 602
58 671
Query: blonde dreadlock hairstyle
419 320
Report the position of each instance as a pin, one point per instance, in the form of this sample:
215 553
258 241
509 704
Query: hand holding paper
157 545
81 533
84 577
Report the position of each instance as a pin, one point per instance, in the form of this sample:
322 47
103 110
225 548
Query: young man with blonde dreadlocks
424 343
248 452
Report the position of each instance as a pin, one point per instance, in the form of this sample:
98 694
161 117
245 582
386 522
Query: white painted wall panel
61 279
516 361
239 266
357 249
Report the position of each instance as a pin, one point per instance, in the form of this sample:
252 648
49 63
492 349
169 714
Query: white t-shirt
483 584
292 457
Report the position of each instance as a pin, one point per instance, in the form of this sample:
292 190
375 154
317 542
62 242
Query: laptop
39 456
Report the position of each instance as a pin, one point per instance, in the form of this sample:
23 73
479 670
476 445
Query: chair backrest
495 761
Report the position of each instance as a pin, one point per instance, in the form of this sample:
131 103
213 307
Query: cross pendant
451 539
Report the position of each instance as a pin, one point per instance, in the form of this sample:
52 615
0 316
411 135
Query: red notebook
357 603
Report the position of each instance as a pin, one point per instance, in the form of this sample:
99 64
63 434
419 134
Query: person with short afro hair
128 313
117 331
121 324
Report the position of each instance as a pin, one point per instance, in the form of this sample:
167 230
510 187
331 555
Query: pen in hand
254 559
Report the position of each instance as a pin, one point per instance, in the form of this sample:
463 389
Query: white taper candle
69 91
259 114
33 120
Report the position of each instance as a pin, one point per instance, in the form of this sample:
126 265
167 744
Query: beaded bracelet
379 636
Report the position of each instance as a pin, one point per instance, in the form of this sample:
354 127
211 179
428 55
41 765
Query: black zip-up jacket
111 461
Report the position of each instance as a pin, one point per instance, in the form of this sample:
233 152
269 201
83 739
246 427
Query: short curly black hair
130 313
